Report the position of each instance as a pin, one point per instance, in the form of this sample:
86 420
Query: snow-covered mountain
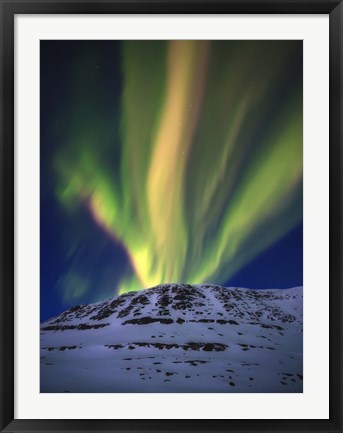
177 338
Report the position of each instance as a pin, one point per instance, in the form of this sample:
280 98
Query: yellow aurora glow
210 169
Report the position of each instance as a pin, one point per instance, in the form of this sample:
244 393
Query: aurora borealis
165 161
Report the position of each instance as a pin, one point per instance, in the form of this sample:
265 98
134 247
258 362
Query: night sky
169 161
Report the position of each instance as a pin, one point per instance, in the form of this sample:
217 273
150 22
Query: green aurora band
209 158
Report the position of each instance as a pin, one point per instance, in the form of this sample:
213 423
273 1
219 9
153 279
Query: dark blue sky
73 249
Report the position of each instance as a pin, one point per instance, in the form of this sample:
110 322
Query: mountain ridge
169 324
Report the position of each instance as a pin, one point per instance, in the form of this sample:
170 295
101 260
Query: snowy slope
177 338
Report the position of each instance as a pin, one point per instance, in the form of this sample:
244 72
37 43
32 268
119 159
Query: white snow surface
177 338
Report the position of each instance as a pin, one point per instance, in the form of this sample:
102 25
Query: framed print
171 216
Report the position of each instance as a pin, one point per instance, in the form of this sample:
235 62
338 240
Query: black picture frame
8 9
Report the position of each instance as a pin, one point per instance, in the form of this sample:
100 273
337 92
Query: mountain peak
177 325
